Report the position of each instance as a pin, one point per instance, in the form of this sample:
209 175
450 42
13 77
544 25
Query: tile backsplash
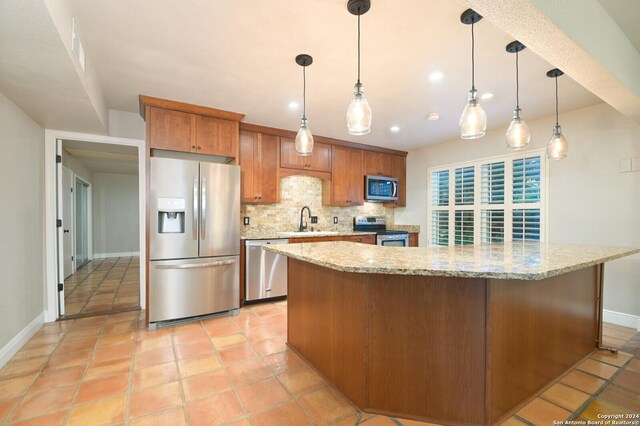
298 191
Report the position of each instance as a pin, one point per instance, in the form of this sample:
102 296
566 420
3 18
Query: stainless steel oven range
384 237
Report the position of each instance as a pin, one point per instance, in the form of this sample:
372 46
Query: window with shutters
489 201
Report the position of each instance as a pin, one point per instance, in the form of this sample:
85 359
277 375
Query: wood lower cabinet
378 164
259 168
364 239
314 239
319 161
347 179
414 239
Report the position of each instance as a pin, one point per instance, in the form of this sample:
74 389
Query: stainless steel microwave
380 188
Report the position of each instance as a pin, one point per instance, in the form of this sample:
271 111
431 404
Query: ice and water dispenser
171 212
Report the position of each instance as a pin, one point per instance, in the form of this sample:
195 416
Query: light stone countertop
517 260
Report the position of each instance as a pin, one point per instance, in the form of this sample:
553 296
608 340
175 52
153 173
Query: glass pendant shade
558 147
473 121
359 113
304 139
518 134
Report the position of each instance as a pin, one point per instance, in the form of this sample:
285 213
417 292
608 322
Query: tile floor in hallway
103 285
238 371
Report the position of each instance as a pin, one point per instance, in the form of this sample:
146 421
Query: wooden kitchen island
453 335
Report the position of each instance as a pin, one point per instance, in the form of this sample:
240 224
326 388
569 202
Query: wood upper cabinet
319 161
378 164
215 136
414 239
259 168
399 171
347 183
171 130
176 126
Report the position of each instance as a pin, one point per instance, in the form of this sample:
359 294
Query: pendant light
557 147
473 121
304 138
518 134
359 112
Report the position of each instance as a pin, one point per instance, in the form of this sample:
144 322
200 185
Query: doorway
100 247
82 209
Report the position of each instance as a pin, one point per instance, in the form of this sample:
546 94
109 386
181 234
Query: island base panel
538 331
326 324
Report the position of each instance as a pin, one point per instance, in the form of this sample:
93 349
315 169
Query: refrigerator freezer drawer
192 287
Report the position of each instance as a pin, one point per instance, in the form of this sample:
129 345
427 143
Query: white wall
21 224
590 201
124 124
73 164
115 214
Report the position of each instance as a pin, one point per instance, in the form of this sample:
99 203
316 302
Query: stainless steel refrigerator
194 241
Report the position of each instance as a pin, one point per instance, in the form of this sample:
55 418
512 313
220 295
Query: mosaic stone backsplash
298 191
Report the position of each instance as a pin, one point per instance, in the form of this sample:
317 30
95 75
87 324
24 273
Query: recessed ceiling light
394 129
433 116
435 76
294 106
486 96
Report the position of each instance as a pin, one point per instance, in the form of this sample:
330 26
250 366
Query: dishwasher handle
258 243
198 265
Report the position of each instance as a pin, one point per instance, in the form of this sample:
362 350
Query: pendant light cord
358 49
473 60
556 100
517 83
304 92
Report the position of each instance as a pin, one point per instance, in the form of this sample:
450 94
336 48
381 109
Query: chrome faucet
303 226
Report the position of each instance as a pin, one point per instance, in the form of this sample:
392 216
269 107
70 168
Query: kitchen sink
308 233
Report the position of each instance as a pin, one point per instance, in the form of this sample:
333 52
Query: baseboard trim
18 341
620 318
117 254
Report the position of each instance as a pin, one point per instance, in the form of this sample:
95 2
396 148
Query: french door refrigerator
194 241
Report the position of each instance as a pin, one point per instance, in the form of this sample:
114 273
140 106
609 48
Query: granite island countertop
515 260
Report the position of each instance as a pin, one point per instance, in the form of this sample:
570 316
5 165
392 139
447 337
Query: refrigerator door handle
203 193
195 208
197 265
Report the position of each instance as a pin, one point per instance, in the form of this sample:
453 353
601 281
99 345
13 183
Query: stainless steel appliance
380 188
384 237
266 272
194 241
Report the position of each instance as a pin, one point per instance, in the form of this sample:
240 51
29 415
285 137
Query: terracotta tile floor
103 285
237 371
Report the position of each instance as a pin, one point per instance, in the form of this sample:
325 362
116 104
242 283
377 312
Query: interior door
219 209
59 230
81 223
67 221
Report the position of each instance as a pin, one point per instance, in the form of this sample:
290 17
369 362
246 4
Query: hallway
103 286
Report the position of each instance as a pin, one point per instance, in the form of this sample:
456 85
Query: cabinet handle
199 147
260 198
193 146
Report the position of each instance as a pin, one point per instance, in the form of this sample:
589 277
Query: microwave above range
380 188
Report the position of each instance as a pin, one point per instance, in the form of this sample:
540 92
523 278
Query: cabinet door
216 136
378 164
249 166
347 182
319 161
413 240
400 172
267 154
356 178
171 130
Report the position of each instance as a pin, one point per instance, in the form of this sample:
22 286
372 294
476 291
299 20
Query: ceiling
103 158
626 14
239 55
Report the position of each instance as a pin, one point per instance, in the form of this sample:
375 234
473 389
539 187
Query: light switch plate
246 220
335 219
625 165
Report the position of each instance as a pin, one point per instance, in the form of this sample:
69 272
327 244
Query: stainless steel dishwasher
266 272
